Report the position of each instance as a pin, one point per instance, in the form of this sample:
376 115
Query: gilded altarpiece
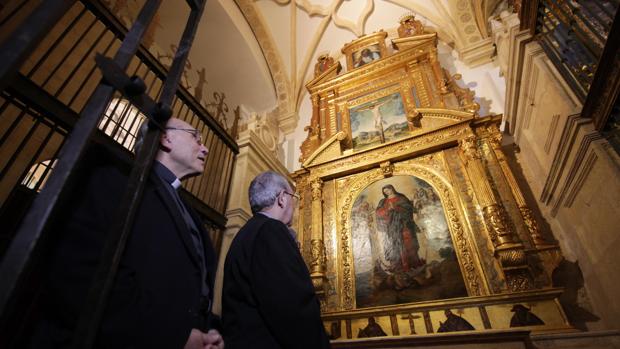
410 220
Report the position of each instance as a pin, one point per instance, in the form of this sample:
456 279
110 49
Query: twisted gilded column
508 249
317 247
532 226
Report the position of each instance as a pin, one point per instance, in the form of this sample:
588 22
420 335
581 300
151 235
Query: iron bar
13 13
86 55
36 155
28 235
12 127
90 74
88 325
20 147
68 53
201 178
55 44
114 25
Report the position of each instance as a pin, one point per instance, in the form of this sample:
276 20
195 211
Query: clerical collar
164 173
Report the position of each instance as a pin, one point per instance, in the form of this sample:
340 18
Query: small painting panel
378 121
411 324
402 248
366 55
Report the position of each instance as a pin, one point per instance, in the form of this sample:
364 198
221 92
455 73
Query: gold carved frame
361 96
428 168
367 41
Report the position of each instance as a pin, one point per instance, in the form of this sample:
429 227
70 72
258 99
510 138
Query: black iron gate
19 256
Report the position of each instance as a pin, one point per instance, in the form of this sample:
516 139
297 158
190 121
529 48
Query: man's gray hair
264 190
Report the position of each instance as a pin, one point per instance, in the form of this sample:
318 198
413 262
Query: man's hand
213 340
200 340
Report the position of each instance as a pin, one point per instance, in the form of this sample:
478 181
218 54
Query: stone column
508 249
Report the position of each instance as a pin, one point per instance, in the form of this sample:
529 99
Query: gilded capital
469 148
532 226
315 100
317 188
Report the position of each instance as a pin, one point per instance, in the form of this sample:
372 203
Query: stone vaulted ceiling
259 54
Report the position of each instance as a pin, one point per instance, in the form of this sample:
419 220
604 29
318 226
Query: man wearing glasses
163 289
268 299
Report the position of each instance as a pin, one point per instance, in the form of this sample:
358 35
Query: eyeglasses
197 135
295 195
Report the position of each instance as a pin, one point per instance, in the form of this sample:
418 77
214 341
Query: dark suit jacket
156 298
268 299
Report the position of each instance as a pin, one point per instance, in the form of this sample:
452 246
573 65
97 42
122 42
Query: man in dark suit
268 299
164 285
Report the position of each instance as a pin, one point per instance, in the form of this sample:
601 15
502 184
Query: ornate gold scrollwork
469 148
532 226
513 257
497 222
316 185
495 139
386 168
317 247
518 280
318 259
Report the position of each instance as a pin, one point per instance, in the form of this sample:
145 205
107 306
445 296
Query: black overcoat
268 300
156 299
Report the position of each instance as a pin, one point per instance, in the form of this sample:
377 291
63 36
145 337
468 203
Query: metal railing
573 34
63 66
54 99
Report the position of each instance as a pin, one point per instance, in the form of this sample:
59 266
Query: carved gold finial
414 119
409 26
324 62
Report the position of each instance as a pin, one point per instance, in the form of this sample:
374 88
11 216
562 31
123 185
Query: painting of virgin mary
402 247
395 217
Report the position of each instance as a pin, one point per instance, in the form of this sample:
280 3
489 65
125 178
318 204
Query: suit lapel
182 229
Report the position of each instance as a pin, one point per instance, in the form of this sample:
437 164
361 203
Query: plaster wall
570 170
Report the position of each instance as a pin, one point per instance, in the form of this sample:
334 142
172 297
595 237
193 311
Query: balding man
164 286
268 300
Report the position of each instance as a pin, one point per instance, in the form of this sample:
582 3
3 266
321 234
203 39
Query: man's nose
204 149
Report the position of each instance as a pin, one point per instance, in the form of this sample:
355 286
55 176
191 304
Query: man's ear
280 199
164 142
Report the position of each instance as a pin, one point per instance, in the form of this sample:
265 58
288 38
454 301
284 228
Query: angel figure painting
402 248
378 121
